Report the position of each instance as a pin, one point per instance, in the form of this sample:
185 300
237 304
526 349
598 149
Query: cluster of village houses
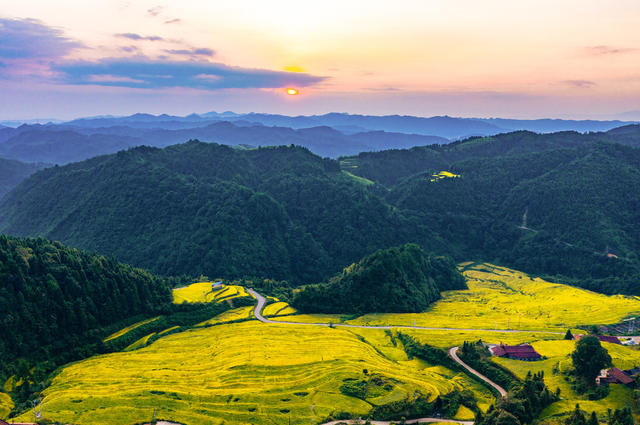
614 375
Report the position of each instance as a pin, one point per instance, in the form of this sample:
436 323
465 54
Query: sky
491 58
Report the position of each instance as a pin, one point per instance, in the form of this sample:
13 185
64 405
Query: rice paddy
278 309
238 373
6 405
201 292
559 359
501 298
129 328
251 372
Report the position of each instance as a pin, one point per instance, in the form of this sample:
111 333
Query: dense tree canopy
401 279
589 358
55 299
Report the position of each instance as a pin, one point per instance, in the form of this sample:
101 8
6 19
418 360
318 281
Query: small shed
517 352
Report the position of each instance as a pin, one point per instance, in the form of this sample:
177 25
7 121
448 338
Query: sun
292 92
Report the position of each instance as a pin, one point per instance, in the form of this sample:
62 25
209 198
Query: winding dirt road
453 353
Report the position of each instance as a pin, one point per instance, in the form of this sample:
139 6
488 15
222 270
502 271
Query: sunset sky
526 59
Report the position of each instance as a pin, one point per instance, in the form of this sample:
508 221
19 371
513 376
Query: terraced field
239 373
253 372
6 405
507 299
129 328
558 353
278 309
201 292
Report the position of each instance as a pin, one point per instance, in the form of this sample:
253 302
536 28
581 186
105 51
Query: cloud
138 37
580 84
155 11
173 21
608 50
31 39
192 52
152 74
129 49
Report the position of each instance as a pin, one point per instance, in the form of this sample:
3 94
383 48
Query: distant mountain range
330 135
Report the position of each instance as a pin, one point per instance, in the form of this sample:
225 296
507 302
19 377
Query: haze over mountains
329 135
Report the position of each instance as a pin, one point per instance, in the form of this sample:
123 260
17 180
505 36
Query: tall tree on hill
589 358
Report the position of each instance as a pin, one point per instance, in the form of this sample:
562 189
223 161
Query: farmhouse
602 338
217 286
613 376
516 352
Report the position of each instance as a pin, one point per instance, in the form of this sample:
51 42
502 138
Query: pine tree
568 335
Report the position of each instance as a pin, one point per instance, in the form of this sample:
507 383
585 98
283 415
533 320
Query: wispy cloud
146 73
31 39
173 21
154 11
580 84
192 52
604 50
138 37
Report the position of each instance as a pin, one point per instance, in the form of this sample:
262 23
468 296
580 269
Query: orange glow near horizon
292 92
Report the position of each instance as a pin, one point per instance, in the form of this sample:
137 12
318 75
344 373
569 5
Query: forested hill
201 208
389 166
14 172
54 300
396 280
562 204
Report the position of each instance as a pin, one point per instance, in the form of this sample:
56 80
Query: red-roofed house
613 376
602 338
517 352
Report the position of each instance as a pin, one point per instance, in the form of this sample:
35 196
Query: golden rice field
229 316
241 373
507 299
443 175
558 353
201 292
6 405
140 343
279 308
129 328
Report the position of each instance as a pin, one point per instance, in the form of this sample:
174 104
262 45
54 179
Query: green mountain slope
13 173
208 209
56 301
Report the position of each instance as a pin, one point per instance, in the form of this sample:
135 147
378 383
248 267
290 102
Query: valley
208 373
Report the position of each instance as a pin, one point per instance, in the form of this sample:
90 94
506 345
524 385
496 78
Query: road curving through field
257 312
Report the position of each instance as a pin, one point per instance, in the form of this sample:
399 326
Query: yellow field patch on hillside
278 309
200 292
559 357
443 175
130 328
140 343
448 339
507 299
310 318
229 316
241 373
6 405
